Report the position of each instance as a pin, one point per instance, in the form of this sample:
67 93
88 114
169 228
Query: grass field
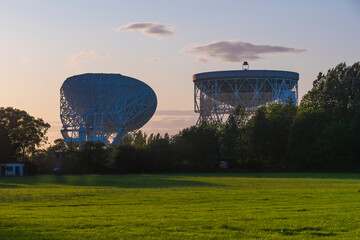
188 206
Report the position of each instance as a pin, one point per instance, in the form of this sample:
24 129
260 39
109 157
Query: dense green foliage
207 206
92 158
20 134
326 131
267 134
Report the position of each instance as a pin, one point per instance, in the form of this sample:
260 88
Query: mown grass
188 206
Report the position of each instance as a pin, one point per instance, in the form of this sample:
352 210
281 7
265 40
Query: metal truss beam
217 97
104 107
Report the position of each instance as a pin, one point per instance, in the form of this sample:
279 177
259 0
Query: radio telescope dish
103 107
217 94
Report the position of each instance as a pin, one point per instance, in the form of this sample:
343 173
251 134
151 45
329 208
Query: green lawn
187 206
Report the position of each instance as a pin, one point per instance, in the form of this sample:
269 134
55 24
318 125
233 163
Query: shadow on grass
4 185
9 234
281 175
121 181
231 228
153 180
315 231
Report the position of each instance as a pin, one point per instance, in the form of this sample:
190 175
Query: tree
267 135
93 157
127 139
281 117
140 138
59 145
44 159
325 133
6 151
337 92
131 159
257 139
233 138
20 133
160 154
197 148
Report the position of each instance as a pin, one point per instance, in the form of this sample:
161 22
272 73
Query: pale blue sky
38 38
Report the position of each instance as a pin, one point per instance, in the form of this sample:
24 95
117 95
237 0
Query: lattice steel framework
216 94
103 107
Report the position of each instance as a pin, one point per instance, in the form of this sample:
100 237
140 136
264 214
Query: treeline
194 149
321 134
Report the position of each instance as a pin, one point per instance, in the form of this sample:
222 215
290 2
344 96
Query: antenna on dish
245 66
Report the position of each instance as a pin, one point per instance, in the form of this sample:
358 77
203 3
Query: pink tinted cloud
234 51
157 30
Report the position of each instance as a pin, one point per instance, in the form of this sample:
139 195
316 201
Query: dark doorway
17 171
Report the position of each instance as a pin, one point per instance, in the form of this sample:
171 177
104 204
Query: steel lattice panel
104 107
216 94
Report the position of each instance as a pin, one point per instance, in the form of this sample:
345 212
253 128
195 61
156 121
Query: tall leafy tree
281 117
337 92
140 138
267 136
197 148
304 152
257 138
233 137
6 149
325 133
20 133
93 157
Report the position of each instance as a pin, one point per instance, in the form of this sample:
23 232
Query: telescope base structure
216 94
78 137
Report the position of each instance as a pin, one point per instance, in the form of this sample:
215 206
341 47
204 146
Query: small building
11 169
224 165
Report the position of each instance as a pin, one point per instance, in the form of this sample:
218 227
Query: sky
163 43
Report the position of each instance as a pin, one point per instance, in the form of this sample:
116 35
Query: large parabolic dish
217 94
103 107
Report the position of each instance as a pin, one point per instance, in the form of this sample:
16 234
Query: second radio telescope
217 94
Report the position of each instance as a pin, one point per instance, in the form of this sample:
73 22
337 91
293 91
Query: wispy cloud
234 51
156 30
84 56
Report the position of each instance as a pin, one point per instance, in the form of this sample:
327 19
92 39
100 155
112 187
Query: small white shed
11 169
